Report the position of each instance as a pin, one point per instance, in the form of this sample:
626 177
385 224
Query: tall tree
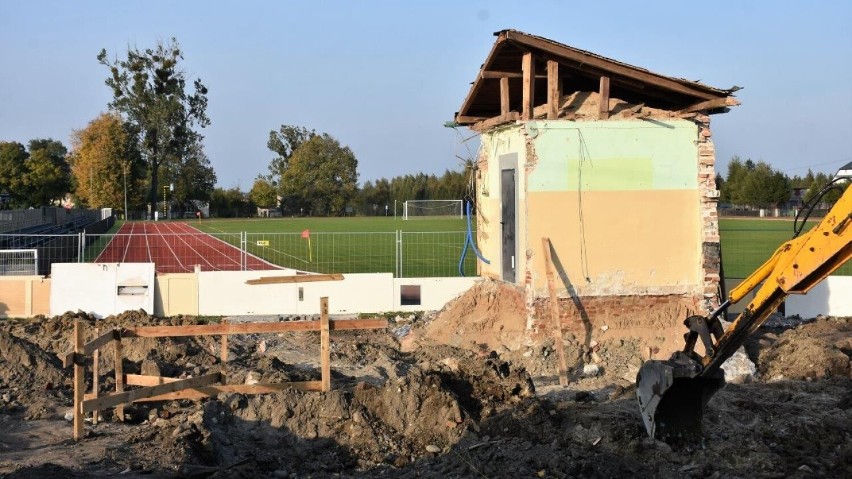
192 176
48 176
104 159
284 143
321 176
13 157
150 92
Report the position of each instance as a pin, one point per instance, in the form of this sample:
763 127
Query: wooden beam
554 90
603 103
469 119
146 380
223 354
119 375
504 96
210 391
79 381
90 347
615 68
325 346
96 357
492 74
130 396
711 105
496 121
250 328
562 366
528 88
299 278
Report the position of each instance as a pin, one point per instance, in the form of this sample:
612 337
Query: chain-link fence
405 254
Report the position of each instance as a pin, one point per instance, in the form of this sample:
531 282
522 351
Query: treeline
758 185
34 175
368 200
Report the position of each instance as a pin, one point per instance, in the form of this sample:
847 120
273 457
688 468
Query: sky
383 77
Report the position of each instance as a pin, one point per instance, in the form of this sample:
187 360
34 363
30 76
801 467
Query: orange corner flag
306 234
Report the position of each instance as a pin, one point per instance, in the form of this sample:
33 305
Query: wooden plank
299 278
470 119
96 356
554 90
79 381
603 103
711 105
146 380
528 88
209 391
504 96
119 375
496 121
325 346
223 354
494 74
130 396
250 328
554 314
90 347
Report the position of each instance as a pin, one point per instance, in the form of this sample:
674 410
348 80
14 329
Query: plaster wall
24 296
101 289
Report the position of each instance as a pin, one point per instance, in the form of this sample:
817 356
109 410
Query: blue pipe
469 241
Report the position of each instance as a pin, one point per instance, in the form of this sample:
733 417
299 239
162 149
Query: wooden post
554 313
79 380
223 354
603 110
528 70
325 350
96 371
119 375
554 93
504 96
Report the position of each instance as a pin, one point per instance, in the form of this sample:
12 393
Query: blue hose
469 241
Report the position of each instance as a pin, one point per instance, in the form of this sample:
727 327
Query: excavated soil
423 399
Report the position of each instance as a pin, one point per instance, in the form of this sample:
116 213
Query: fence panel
434 254
326 252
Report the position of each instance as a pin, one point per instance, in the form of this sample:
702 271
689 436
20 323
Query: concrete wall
832 297
619 200
94 288
24 296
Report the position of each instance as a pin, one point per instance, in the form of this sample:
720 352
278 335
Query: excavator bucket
672 396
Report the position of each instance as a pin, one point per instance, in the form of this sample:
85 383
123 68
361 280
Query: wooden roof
501 79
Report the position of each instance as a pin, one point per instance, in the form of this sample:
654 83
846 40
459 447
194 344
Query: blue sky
383 77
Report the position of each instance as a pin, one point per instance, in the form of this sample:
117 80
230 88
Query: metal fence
405 254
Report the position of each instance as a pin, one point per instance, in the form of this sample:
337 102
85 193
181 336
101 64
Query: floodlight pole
125 191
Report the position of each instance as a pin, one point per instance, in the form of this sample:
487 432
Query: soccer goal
426 208
18 262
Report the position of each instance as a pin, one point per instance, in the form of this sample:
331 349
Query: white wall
434 292
832 297
101 289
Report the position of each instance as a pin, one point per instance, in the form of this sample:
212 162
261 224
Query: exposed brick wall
709 197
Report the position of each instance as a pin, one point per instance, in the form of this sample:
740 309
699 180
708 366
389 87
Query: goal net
413 209
18 262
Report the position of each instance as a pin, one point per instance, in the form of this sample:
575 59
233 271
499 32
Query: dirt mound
29 377
490 316
820 349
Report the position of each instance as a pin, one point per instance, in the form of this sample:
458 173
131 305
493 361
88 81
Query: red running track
176 248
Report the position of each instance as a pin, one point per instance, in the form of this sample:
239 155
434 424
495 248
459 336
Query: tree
321 176
285 142
229 203
13 157
263 193
764 187
731 191
192 176
150 92
103 160
48 176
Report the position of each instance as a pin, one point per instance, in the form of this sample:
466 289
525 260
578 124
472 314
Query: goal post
413 209
19 262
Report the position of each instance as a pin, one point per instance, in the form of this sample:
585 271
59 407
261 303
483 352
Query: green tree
764 187
13 157
285 142
263 193
103 160
192 176
732 187
229 203
48 176
321 176
150 92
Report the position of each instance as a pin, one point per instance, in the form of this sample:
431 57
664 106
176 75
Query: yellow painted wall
24 296
176 293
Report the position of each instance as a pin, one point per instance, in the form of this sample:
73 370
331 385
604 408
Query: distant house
611 162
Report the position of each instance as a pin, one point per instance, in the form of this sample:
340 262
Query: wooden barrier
159 388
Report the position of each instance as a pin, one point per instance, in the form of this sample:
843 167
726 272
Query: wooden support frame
510 117
603 104
554 313
528 88
554 90
157 388
504 96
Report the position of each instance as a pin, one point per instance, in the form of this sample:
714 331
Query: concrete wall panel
434 292
101 289
832 297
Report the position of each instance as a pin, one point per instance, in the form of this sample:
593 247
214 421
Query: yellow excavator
672 394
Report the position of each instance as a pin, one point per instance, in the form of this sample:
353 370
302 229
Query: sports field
429 247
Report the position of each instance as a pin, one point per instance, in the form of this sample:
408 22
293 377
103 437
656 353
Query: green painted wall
612 155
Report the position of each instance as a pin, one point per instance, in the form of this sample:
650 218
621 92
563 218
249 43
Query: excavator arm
672 394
